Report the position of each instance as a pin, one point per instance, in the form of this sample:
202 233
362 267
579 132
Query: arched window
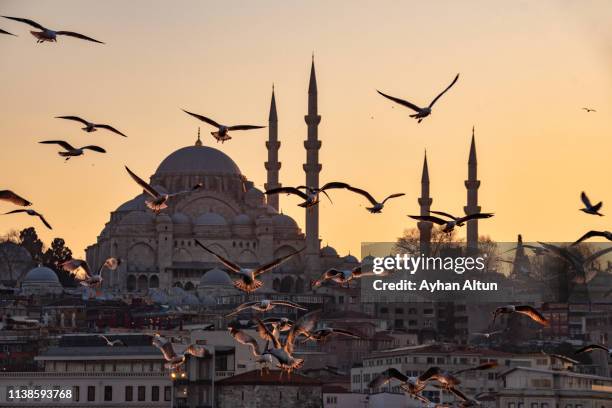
131 283
154 282
143 283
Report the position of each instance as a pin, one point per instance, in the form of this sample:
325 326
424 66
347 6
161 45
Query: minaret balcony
312 119
312 144
272 166
275 145
472 184
312 167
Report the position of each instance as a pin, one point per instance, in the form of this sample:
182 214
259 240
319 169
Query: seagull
72 151
90 126
113 343
282 324
11 197
592 347
527 310
173 360
321 335
604 234
410 385
377 207
263 358
310 195
421 113
588 109
341 276
81 271
49 35
248 281
590 208
578 262
33 214
448 379
6 32
160 200
449 226
222 134
265 305
488 335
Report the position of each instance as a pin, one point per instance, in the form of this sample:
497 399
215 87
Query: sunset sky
527 68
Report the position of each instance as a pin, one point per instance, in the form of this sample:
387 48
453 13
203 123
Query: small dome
197 159
329 252
138 218
210 219
180 218
254 192
350 259
242 219
41 274
282 220
215 277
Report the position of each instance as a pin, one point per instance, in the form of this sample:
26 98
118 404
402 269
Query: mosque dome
210 219
138 218
41 281
242 219
216 277
197 159
350 259
135 204
328 252
282 220
180 218
41 274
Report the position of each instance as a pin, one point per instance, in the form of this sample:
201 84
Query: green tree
54 256
28 238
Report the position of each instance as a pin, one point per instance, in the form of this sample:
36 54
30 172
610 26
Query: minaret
312 167
273 165
472 184
425 203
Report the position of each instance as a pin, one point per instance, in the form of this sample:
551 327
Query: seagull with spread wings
377 206
112 343
421 113
90 126
222 133
49 35
70 151
449 225
526 310
449 379
310 195
603 234
577 261
81 271
11 197
588 110
248 281
265 305
174 360
410 385
321 335
33 214
159 201
593 347
590 208
261 357
342 276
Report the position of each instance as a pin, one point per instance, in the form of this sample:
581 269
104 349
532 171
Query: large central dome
197 159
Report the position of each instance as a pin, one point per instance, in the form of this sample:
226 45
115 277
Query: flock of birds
282 333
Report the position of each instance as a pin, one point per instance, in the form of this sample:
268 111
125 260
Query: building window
108 393
155 393
129 393
141 393
76 393
91 393
167 393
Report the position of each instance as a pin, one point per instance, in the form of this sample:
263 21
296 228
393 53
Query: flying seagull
310 195
321 335
341 276
50 35
265 305
248 281
448 379
526 310
173 360
11 197
377 206
73 151
488 335
159 201
578 262
589 109
112 343
604 234
592 347
6 32
590 208
33 214
90 126
222 134
410 385
421 113
449 225
281 324
81 271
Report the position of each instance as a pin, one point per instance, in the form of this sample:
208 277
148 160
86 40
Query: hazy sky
526 69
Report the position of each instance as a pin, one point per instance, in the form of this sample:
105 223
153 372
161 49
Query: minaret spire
425 203
472 184
199 141
273 145
312 168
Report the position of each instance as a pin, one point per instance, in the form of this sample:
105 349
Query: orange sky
526 70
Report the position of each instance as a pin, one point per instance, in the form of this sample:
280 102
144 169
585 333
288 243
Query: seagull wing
533 313
112 129
232 266
393 196
195 350
203 118
429 218
596 255
476 216
287 190
6 32
146 186
429 373
244 127
401 102
334 185
287 304
363 193
386 376
78 268
590 348
271 265
588 235
444 214
266 334
104 338
458 393
585 200
15 212
304 325
44 221
484 366
94 148
242 307
27 21
8 195
77 35
75 118
65 145
444 91
346 333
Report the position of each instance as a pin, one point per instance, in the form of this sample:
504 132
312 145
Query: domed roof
216 277
41 274
328 251
180 218
197 159
210 219
283 220
138 218
242 219
350 259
